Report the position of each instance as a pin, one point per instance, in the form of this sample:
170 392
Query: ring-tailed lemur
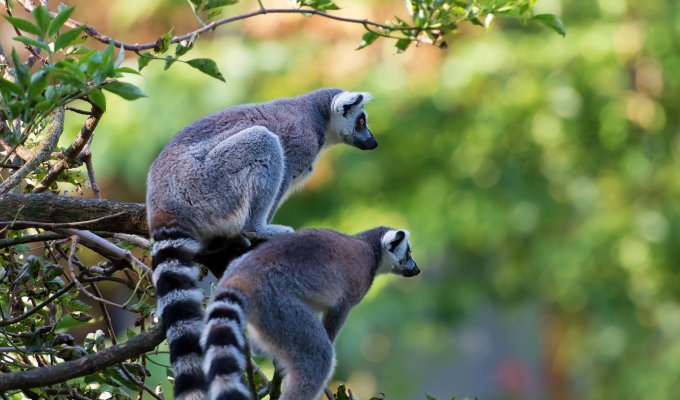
278 288
218 182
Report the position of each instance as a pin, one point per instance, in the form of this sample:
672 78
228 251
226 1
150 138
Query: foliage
63 284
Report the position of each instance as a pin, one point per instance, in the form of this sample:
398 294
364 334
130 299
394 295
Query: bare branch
122 258
140 344
40 237
50 209
42 154
70 155
100 37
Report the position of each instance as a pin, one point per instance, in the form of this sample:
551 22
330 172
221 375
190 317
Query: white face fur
349 121
396 256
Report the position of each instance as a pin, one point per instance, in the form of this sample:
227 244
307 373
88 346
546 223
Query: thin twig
86 156
76 110
250 374
33 310
74 276
18 224
96 35
134 239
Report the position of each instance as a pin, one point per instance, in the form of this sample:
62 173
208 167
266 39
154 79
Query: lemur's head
349 122
396 254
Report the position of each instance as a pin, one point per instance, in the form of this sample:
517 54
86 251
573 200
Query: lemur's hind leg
253 165
305 354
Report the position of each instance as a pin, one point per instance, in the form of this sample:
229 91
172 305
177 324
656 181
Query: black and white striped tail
223 345
179 306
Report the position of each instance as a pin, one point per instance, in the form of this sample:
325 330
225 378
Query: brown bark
140 344
50 211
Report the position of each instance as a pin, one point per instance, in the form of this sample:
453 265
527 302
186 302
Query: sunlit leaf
97 97
368 38
42 19
32 42
23 25
207 66
551 21
144 60
125 90
210 4
59 20
68 37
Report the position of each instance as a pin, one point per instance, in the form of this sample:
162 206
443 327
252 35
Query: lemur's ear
392 239
344 102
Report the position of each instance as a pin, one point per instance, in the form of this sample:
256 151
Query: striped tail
224 346
179 306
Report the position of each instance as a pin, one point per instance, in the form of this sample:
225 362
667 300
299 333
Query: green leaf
42 18
144 60
402 45
368 38
97 97
32 42
551 21
181 49
8 87
125 90
207 66
121 57
127 70
210 4
68 37
428 397
59 21
168 62
23 25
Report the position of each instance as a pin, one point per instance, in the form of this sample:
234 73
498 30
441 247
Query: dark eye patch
361 122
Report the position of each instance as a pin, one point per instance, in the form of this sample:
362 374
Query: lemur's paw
268 232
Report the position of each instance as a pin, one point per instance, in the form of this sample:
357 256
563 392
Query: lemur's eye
361 122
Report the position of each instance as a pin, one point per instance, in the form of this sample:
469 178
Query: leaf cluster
431 20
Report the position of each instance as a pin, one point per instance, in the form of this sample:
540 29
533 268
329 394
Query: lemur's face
397 254
349 122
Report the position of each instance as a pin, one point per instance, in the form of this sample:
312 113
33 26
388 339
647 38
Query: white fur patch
221 384
391 259
232 325
215 352
186 244
343 98
189 364
191 272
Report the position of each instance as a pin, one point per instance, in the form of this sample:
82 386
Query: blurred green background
537 175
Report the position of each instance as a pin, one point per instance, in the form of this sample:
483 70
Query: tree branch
42 154
100 37
140 344
73 151
47 208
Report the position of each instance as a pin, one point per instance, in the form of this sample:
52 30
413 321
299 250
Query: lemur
214 189
278 288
